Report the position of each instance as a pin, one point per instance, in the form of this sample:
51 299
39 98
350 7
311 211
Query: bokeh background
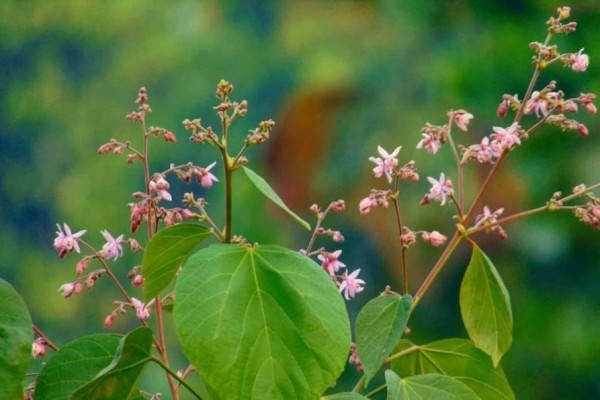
339 78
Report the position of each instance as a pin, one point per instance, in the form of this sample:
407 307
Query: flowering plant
259 321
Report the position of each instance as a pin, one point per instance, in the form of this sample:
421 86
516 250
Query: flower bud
137 281
583 130
338 206
109 320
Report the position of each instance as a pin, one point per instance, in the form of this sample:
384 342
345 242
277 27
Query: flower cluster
492 146
349 284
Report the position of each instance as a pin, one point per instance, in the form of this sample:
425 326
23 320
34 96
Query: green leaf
264 187
166 252
485 307
345 396
118 380
429 386
457 358
16 336
261 323
74 365
379 326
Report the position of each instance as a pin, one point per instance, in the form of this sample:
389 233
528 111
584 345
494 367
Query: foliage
262 321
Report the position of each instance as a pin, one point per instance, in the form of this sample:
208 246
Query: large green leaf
457 358
485 306
345 396
265 189
261 322
74 365
429 386
16 336
166 252
118 380
379 326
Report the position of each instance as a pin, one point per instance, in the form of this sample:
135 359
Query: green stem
174 375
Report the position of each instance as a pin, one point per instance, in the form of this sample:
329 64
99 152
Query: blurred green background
339 77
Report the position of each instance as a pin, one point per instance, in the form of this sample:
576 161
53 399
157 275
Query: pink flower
461 119
38 348
161 186
112 248
486 151
67 241
440 189
538 104
350 285
387 164
507 137
365 204
205 177
69 288
429 142
141 311
330 263
435 238
580 61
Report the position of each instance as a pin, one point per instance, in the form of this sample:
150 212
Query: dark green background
339 77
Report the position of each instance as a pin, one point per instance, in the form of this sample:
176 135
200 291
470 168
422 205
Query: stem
403 248
359 385
228 197
162 349
173 374
147 175
437 268
41 334
459 170
313 238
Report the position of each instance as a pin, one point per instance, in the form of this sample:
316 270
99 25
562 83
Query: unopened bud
109 320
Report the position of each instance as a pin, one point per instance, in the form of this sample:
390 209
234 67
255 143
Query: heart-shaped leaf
457 358
485 306
16 336
74 365
166 252
429 386
261 322
265 189
379 326
118 380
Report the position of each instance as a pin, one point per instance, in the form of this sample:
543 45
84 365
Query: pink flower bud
109 320
338 237
169 137
38 348
502 110
365 205
338 206
314 208
188 214
583 130
134 244
596 211
67 289
591 108
137 281
82 266
437 239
